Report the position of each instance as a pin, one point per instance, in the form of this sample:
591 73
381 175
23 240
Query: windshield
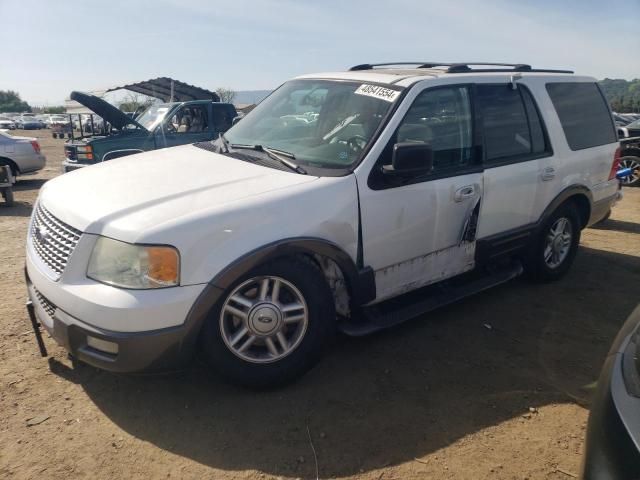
322 123
152 116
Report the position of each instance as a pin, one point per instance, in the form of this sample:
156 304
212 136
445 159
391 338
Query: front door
188 124
420 230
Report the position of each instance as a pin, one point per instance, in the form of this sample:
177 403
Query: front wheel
555 247
271 326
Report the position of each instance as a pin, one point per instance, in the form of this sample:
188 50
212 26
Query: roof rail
462 67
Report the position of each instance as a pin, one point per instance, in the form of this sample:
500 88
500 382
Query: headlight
134 266
84 152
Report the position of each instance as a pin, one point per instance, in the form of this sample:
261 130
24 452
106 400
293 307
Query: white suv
339 192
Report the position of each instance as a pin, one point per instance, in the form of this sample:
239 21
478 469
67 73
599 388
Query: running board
405 307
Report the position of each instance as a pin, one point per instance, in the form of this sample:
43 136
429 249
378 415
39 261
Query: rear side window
511 124
583 113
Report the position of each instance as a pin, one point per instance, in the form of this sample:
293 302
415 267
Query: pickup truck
160 125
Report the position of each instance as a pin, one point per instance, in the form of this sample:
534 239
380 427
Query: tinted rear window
583 113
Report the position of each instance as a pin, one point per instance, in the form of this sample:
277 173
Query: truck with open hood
161 125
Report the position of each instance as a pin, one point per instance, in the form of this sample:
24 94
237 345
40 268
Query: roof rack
462 67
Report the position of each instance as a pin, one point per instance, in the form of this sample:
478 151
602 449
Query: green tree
10 101
623 95
58 109
134 102
226 94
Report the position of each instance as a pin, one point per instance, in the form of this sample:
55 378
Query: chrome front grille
52 240
46 305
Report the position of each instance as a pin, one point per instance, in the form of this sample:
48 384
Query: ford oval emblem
42 234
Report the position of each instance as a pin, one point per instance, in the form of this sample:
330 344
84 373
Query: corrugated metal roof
168 90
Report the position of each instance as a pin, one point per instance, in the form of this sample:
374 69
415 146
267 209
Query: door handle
548 173
467 191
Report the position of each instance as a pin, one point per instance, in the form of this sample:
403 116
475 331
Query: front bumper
118 352
71 165
116 329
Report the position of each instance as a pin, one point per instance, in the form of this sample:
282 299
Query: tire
542 267
259 366
632 162
7 194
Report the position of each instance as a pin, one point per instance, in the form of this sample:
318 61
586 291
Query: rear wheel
555 247
271 326
634 164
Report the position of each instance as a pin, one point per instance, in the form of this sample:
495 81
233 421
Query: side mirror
410 159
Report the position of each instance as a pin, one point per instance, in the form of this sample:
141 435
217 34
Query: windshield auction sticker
377 92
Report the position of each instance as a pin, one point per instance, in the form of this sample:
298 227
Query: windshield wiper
285 158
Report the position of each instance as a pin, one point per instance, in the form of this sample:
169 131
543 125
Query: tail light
616 163
36 146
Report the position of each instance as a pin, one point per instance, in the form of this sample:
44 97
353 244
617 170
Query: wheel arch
360 283
14 166
113 154
579 195
630 151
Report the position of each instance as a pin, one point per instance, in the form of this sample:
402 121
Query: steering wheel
357 143
170 127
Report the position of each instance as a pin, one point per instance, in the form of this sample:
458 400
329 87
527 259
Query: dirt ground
494 387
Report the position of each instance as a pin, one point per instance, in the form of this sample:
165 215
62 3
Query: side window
191 119
440 117
222 118
583 113
511 124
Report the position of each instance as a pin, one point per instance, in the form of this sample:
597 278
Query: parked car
612 449
336 196
44 120
630 158
28 122
22 154
160 125
633 129
7 123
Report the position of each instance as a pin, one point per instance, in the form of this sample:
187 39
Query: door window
511 124
222 118
440 118
190 119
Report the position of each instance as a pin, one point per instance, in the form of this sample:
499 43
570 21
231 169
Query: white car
7 124
22 154
335 197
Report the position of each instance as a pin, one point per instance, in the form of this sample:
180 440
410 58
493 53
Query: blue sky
51 48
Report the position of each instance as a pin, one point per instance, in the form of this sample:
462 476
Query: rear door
517 159
416 229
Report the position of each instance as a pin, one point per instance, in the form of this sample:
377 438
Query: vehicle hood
111 114
129 197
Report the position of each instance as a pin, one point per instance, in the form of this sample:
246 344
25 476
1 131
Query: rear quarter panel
588 167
